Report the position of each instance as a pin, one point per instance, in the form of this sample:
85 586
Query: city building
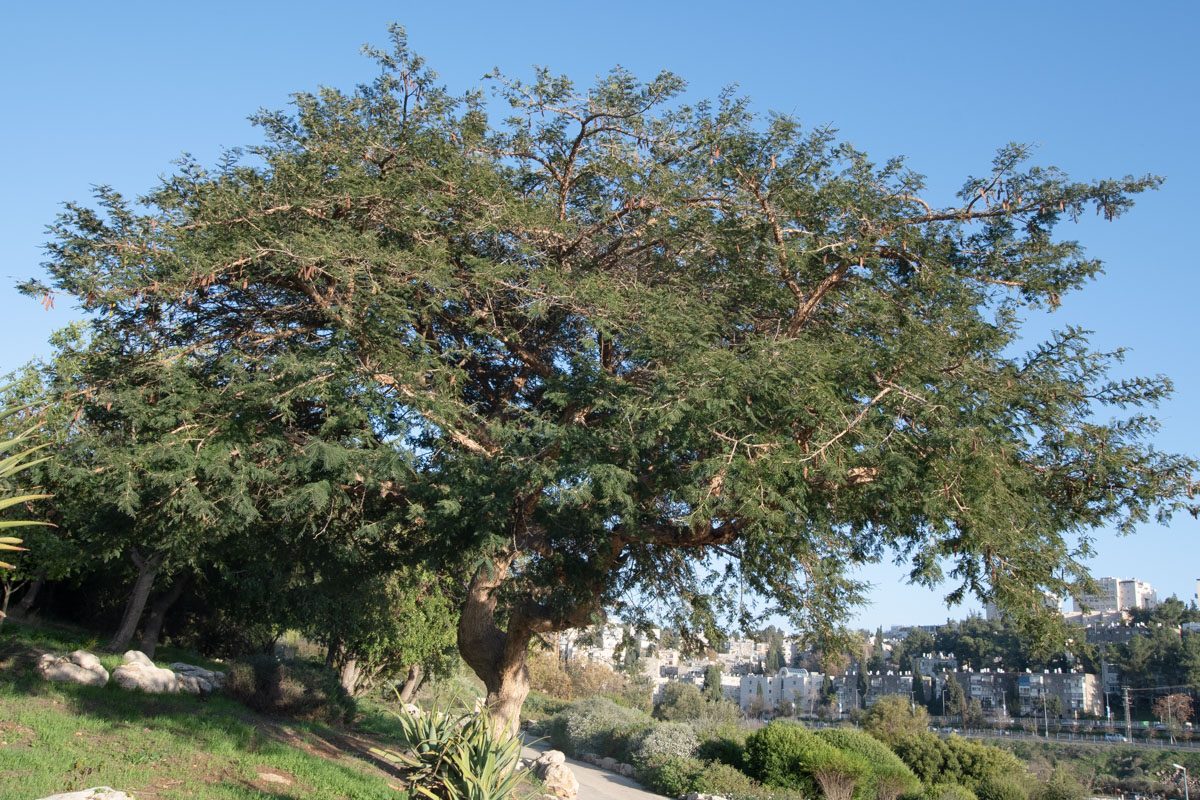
799 687
1118 594
1078 692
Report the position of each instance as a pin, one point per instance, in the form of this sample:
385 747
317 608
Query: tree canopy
613 348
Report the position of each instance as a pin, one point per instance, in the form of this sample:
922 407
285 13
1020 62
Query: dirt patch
13 733
351 749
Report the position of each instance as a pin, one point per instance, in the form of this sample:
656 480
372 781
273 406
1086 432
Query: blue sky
111 93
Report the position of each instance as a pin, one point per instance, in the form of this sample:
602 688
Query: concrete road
596 783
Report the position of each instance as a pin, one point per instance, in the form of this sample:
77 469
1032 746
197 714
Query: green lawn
59 737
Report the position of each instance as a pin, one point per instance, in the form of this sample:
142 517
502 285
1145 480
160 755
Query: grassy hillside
59 737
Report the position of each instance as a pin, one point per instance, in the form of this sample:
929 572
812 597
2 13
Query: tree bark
496 656
158 611
351 675
147 571
415 674
26 605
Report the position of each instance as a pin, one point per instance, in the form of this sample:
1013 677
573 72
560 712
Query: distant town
1133 650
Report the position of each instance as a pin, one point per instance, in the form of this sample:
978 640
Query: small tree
1173 709
893 717
712 683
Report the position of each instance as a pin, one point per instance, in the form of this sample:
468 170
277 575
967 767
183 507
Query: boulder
136 673
557 777
137 657
192 685
558 780
608 763
626 769
79 667
97 793
197 680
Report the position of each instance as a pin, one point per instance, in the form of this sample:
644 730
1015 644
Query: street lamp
1183 769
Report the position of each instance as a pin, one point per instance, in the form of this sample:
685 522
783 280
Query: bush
679 702
997 788
778 754
598 725
675 777
1061 787
295 689
666 741
887 776
726 745
948 791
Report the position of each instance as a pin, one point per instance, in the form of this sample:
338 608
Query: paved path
596 783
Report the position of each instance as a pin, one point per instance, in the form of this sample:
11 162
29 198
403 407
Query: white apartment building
1118 594
798 686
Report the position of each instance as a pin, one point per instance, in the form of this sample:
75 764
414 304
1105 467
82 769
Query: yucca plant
457 756
15 456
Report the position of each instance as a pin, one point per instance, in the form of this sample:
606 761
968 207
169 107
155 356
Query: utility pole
1128 723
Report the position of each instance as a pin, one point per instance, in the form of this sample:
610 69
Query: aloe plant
457 756
15 456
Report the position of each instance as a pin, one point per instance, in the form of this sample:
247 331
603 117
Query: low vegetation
63 737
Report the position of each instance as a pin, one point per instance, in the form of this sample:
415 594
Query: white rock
151 680
550 757
62 670
85 659
97 793
560 781
626 769
608 763
138 657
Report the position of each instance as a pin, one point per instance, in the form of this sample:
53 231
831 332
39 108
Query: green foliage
948 791
289 688
679 702
712 683
1060 787
782 754
676 777
886 777
726 744
893 718
628 327
457 756
598 725
1000 787
665 741
954 759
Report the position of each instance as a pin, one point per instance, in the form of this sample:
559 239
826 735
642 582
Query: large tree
635 348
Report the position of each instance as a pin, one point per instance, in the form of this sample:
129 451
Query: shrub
673 777
722 779
948 791
679 702
997 788
1061 787
665 741
893 718
598 725
778 755
289 688
726 745
887 777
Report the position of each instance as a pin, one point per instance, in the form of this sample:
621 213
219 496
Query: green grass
62 737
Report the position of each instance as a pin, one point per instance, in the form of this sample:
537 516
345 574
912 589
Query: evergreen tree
602 338
712 683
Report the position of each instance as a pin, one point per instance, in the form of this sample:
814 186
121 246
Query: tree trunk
26 605
158 610
8 590
351 675
147 571
415 674
497 657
